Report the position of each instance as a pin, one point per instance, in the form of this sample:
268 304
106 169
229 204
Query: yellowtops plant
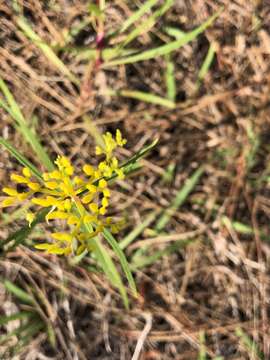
77 200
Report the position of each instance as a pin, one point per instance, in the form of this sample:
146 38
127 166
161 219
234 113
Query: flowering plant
79 201
74 199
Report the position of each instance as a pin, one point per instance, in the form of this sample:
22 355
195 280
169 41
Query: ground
203 277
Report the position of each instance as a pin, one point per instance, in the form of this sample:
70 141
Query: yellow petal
120 174
78 181
87 198
8 202
73 220
93 207
102 210
52 185
18 179
97 174
67 204
41 202
22 196
67 189
102 166
102 183
120 141
90 219
69 170
88 170
62 236
10 191
46 176
105 202
99 151
43 246
65 162
26 172
30 217
52 249
91 188
33 186
106 192
57 215
55 175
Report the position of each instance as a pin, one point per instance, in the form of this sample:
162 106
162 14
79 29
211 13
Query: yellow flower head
74 199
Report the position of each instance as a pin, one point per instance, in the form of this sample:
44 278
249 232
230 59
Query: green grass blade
31 331
18 331
174 32
140 260
179 199
146 25
138 230
207 62
46 49
123 261
146 97
202 352
21 159
14 110
107 265
170 79
18 237
165 49
105 262
18 292
138 14
17 316
139 155
250 345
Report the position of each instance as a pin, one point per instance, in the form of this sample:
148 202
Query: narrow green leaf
128 239
179 199
139 155
164 49
18 332
18 237
22 160
14 110
138 14
146 25
249 344
18 292
118 251
170 79
207 62
174 32
17 316
140 260
104 260
30 332
107 265
202 352
146 97
95 10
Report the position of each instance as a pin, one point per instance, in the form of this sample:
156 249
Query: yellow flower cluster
77 200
